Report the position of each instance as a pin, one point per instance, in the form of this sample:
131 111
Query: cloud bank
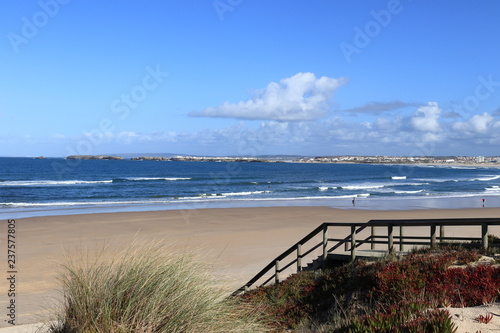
379 107
426 130
301 97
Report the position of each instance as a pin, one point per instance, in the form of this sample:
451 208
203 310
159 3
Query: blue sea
53 186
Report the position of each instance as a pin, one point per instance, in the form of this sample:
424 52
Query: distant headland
429 160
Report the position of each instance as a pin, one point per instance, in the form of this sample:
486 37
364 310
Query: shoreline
237 242
362 203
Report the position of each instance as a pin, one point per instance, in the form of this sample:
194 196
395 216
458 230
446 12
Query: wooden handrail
444 222
390 240
281 257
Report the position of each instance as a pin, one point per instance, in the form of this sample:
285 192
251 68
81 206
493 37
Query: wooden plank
362 254
445 222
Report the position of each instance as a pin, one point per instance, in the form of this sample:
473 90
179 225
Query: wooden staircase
359 241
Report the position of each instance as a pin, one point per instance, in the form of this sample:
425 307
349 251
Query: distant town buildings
403 159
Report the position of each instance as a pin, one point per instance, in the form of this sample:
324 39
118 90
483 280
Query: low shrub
388 296
430 321
429 279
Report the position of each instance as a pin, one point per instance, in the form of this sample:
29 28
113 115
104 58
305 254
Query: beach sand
239 242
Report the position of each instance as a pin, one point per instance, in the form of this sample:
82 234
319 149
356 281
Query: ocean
53 186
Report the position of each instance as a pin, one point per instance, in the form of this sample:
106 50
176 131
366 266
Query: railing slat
484 235
277 271
299 257
390 236
325 242
433 235
353 243
401 237
373 237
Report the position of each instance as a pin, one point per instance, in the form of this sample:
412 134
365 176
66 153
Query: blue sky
239 77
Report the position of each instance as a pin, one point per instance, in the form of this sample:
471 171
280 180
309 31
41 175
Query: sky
240 77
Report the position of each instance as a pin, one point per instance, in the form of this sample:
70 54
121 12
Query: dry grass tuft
146 288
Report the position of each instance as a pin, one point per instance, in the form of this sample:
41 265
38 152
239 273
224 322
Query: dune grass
147 288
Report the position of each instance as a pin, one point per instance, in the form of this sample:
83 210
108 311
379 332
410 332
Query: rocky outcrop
150 158
93 157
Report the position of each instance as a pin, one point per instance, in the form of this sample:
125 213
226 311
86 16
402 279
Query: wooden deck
362 255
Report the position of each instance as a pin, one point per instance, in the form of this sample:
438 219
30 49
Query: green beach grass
147 288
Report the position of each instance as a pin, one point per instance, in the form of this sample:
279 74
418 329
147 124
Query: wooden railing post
401 238
325 242
373 238
299 257
277 271
390 237
353 243
484 235
433 236
441 233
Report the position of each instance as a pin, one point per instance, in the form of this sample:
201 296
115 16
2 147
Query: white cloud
426 118
479 123
297 98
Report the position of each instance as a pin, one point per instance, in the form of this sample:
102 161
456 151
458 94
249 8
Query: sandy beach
237 241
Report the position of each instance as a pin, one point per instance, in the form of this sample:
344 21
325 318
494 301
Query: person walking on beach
483 201
354 201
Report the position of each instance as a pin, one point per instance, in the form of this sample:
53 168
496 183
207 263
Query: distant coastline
93 157
488 161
